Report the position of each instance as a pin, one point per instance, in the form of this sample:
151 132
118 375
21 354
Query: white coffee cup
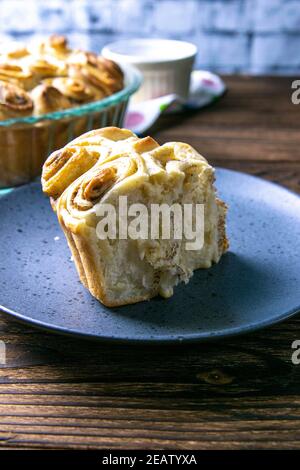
166 64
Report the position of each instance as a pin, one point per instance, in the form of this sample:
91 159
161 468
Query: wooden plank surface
241 393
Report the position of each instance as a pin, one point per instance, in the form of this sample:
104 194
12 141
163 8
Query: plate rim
184 339
164 340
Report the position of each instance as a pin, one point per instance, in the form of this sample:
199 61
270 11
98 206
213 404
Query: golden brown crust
16 75
14 101
75 89
55 46
65 166
58 42
96 71
79 76
223 240
145 145
42 68
48 99
16 51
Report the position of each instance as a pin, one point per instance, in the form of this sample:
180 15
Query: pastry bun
80 76
46 77
95 170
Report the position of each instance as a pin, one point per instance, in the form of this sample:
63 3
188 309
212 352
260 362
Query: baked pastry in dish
76 76
44 78
93 172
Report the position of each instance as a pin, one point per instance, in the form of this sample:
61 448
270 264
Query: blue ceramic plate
255 284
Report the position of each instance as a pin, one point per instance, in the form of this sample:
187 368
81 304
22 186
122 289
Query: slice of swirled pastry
128 208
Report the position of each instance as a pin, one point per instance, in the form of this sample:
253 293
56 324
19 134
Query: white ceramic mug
166 64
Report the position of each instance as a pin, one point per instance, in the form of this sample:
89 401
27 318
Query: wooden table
57 392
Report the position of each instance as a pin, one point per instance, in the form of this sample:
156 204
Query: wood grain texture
240 393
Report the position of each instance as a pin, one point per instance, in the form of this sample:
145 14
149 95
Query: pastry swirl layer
101 166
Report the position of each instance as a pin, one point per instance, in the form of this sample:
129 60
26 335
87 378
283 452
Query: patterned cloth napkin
205 89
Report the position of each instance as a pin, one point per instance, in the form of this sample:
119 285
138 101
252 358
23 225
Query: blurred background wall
244 36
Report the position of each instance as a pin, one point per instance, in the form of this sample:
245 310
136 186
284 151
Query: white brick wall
276 51
251 36
13 18
133 17
274 16
173 18
225 15
53 15
91 15
224 52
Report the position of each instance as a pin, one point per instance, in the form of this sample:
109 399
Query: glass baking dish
26 142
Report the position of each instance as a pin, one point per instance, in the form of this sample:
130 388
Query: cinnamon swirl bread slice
121 266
